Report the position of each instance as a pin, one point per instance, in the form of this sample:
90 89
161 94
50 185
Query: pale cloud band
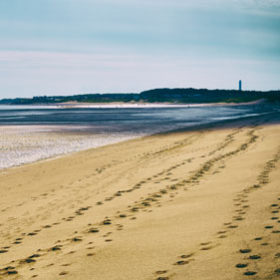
71 46
71 73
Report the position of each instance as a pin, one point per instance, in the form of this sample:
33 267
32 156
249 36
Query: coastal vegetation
166 95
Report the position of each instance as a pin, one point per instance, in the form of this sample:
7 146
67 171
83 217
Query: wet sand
21 144
184 205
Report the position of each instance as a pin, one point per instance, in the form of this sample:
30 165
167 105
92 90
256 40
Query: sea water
32 133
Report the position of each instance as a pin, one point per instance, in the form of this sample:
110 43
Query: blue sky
56 47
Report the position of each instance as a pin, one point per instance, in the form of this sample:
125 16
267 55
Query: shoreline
214 125
51 139
51 132
134 105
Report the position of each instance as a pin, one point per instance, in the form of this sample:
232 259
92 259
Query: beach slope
194 205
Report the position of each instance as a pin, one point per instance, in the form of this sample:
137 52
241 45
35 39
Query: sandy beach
195 204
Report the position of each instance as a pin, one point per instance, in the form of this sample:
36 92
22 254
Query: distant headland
162 95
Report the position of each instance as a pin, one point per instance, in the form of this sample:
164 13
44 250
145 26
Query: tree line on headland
164 95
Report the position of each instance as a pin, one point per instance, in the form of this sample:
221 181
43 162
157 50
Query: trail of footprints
100 170
249 257
146 203
10 270
82 210
163 173
131 212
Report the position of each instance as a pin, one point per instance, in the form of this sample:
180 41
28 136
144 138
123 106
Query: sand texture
187 205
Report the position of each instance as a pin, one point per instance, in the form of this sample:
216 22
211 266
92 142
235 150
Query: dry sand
188 205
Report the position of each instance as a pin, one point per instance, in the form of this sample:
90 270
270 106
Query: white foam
25 144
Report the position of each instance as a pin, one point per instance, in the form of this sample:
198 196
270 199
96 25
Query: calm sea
28 134
122 119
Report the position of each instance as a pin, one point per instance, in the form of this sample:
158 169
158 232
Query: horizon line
166 88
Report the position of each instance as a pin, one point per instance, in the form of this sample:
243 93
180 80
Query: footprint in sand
3 251
56 248
106 222
245 251
258 238
159 272
241 265
206 248
233 226
265 244
181 262
238 218
250 273
122 216
47 226
11 272
93 230
76 239
186 256
254 257
268 227
277 255
205 243
34 256
28 260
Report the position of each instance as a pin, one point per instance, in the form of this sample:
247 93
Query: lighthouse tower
240 85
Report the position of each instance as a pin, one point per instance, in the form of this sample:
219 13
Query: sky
60 47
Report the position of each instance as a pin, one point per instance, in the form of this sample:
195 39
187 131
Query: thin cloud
125 45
